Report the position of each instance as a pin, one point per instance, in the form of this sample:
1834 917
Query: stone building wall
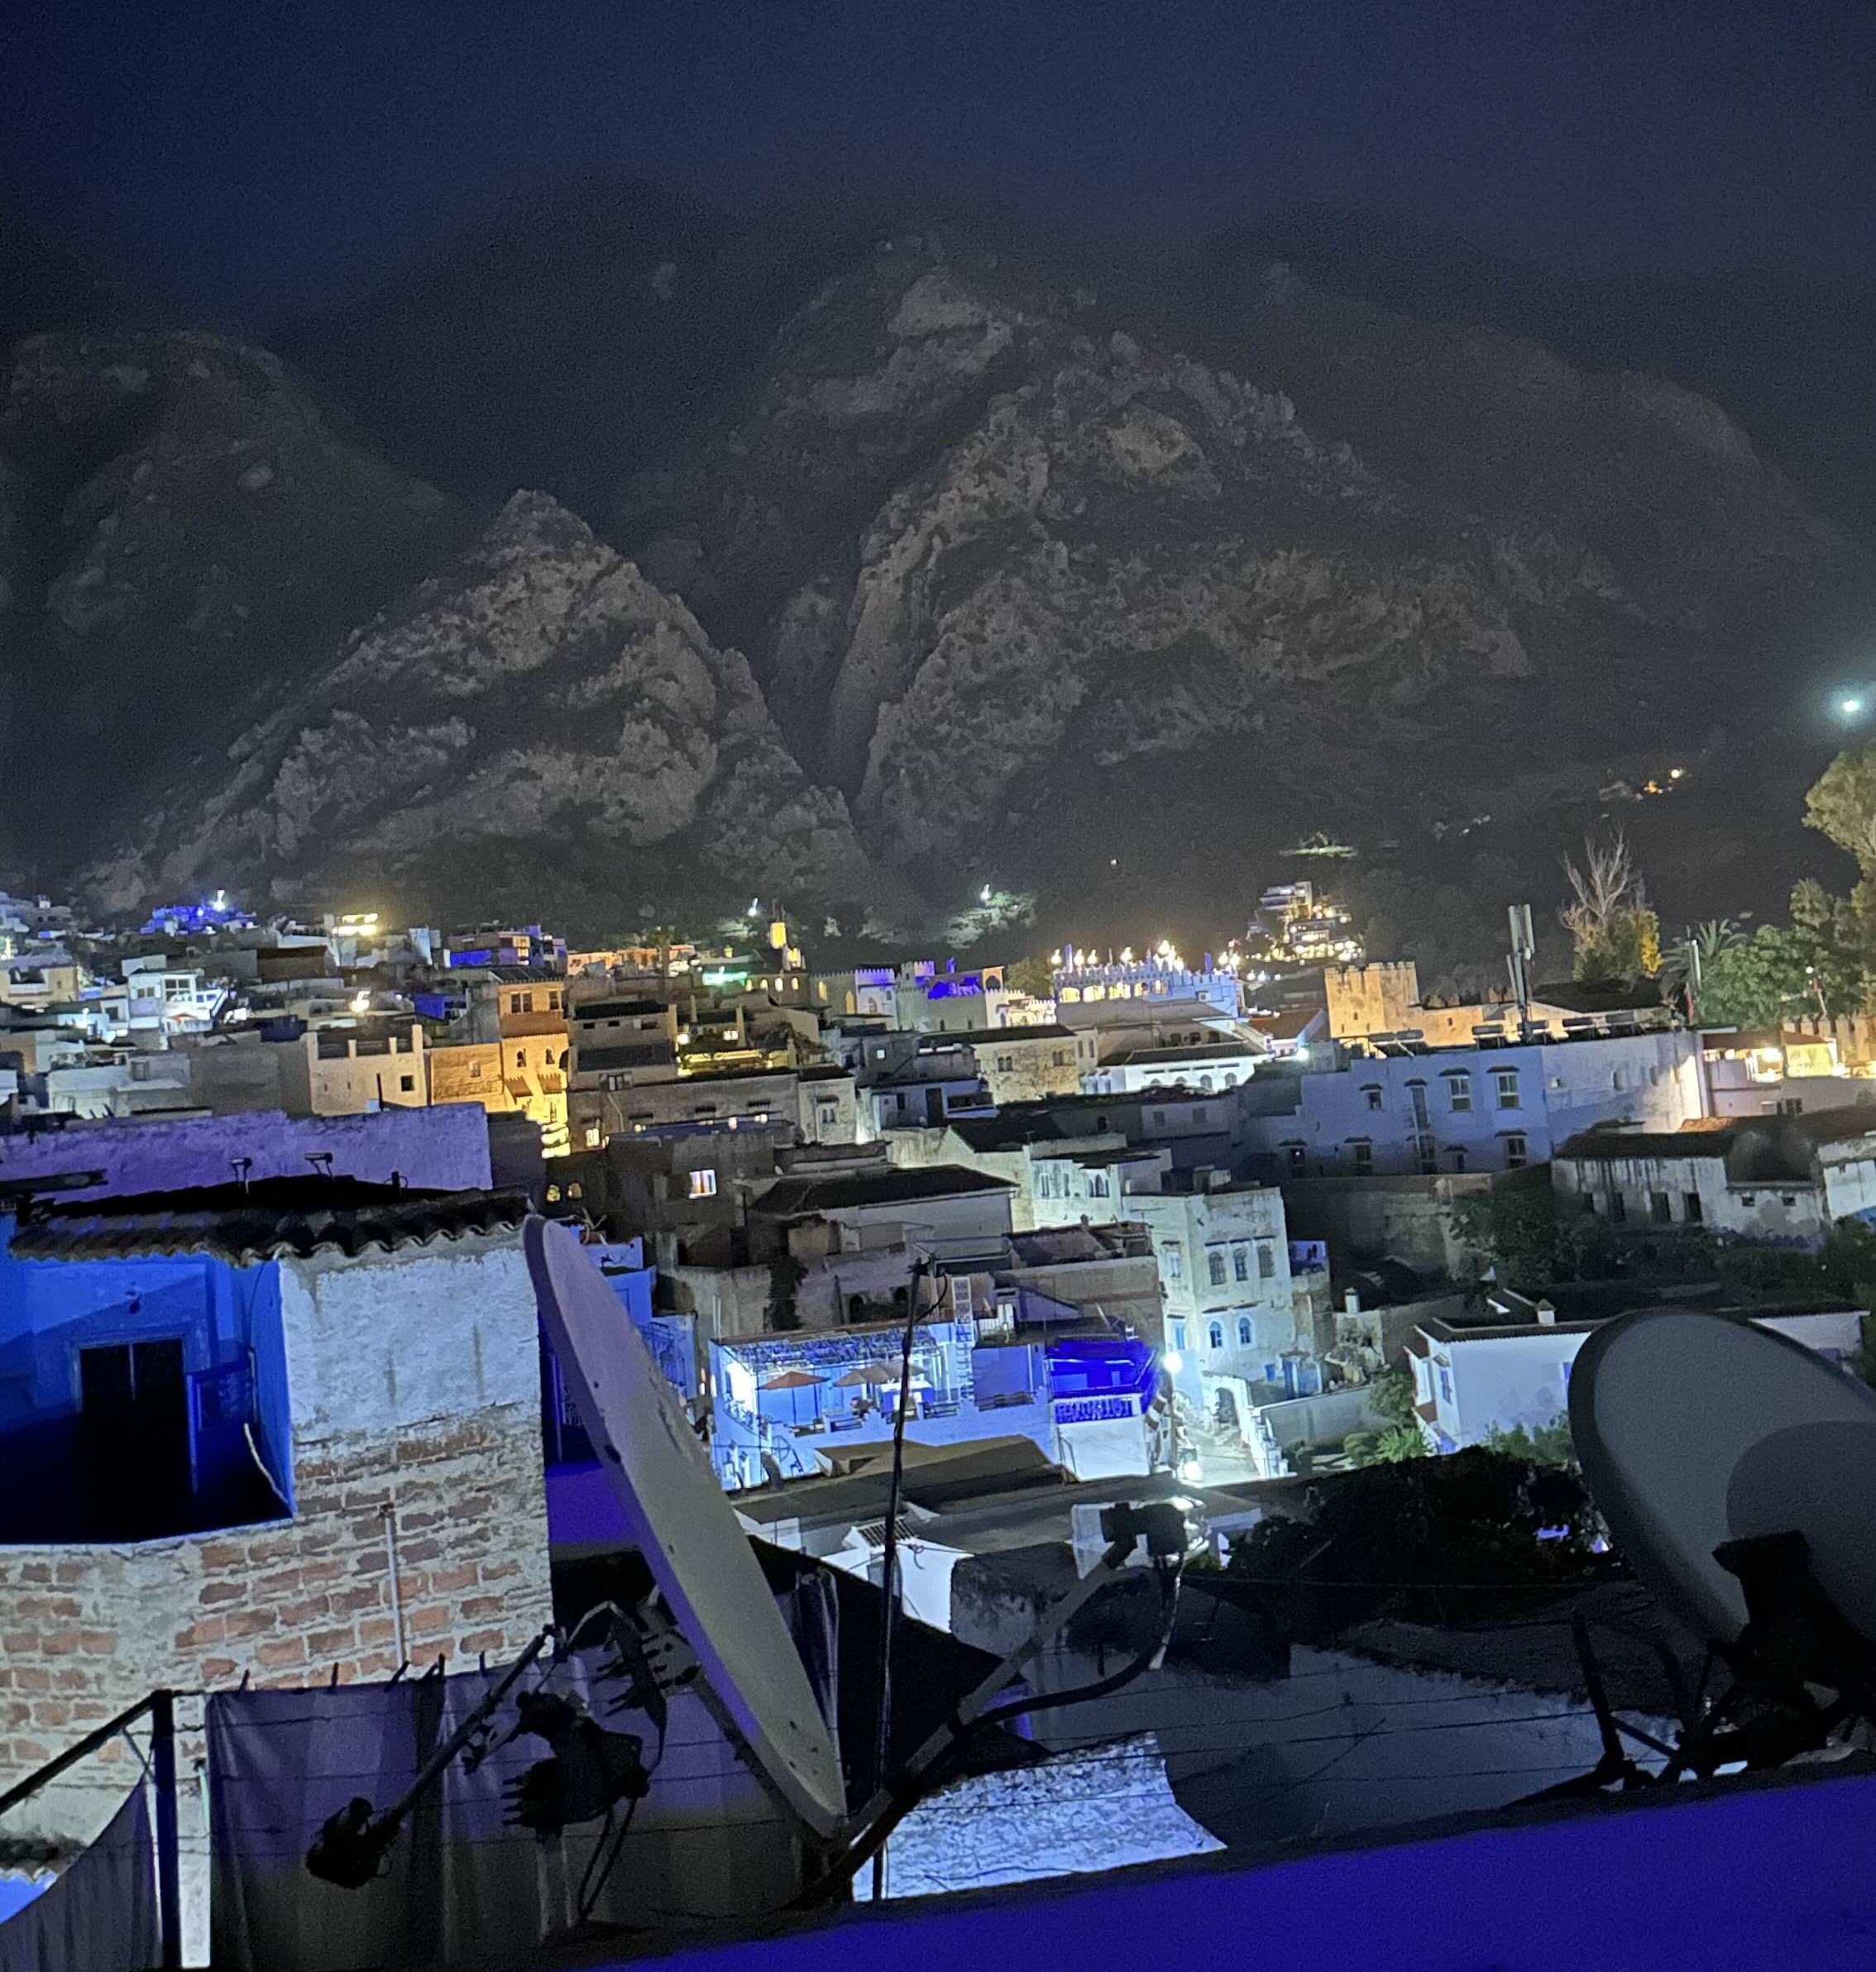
413 1387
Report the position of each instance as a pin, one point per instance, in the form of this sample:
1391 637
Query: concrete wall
1408 1219
1762 1212
1187 1228
433 1150
1379 999
1021 1067
1652 1080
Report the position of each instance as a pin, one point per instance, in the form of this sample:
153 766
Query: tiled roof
270 1219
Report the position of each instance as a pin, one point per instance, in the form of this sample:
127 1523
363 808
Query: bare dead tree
1606 888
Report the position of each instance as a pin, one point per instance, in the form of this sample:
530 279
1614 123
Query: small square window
1517 1153
407 1084
1371 1094
1459 1092
1505 1081
703 1185
1364 1155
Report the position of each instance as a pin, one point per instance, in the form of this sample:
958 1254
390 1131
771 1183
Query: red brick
428 1622
296 1615
78 1678
473 1607
88 1712
35 1571
499 1571
285 1582
332 1642
248 1622
52 1712
214 1669
446 1582
29 1753
418 1551
377 1629
380 1663
281 1650
350 1600
211 1630
217 1555
31 1678
220 1592
486 1640
56 1642
316 1572
15 1712
98 1642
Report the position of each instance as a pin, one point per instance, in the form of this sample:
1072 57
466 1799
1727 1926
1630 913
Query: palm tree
1692 956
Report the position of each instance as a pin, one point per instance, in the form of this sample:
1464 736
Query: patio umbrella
791 1383
871 1372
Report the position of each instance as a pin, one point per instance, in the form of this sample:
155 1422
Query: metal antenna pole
169 1870
889 1574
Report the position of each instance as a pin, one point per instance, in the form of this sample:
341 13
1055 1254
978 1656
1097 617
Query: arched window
1215 1335
1244 1332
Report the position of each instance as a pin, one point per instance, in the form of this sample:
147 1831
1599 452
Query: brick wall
87 1631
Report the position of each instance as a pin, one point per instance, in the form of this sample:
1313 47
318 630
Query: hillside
962 563
182 530
533 726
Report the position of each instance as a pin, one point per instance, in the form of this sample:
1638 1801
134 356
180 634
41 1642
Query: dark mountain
41 287
1795 366
535 728
184 530
555 343
951 560
1047 595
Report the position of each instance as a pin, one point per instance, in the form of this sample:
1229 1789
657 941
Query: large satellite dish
696 1550
1695 1429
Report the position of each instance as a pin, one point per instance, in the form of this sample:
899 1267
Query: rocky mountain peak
534 726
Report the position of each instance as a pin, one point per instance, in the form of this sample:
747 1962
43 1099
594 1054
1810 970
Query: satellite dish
685 1528
1695 1429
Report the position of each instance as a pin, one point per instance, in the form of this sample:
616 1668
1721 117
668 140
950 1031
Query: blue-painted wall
227 1319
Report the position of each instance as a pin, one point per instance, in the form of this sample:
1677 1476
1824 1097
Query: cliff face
182 531
534 727
1106 595
991 553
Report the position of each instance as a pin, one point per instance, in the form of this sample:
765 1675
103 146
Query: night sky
258 157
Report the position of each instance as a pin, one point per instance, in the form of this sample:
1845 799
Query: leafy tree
1518 1229
1548 1445
1390 1396
786 1275
1033 975
1398 1442
1408 1532
1817 964
1616 936
1842 805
